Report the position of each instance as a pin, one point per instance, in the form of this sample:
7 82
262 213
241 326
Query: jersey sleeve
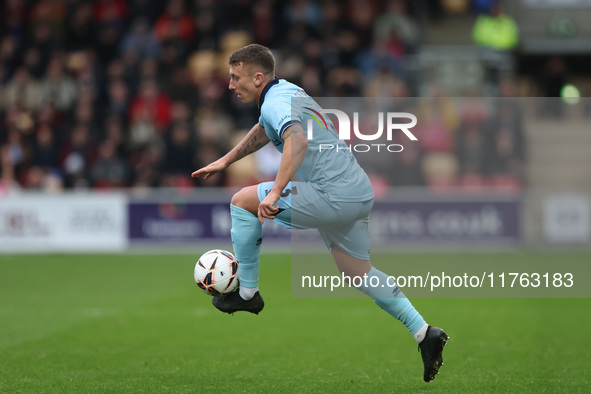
277 113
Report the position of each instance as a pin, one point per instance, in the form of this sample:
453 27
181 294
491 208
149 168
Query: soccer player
332 193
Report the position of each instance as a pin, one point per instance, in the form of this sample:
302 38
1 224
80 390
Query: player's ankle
246 293
421 333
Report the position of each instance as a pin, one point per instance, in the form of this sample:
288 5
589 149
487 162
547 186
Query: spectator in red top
110 12
175 24
152 101
110 18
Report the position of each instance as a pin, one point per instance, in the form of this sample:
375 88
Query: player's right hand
210 169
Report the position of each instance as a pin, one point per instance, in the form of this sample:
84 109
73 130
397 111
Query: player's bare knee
246 199
237 199
240 199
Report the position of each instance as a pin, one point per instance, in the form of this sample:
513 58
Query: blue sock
392 300
247 233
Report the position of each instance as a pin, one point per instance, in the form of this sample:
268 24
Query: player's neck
262 88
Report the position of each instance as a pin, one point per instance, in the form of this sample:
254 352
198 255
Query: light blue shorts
343 223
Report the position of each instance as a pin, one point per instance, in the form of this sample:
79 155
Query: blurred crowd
111 93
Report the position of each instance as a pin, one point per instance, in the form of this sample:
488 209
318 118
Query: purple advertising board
189 222
432 221
440 222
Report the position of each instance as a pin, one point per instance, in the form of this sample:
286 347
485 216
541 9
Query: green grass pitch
138 323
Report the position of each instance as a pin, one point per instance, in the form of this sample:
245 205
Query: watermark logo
317 118
388 123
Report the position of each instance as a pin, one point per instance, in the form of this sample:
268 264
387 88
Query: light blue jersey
332 194
334 172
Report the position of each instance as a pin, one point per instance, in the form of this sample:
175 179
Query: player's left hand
268 208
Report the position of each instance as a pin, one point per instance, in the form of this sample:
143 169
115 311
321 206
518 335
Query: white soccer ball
215 272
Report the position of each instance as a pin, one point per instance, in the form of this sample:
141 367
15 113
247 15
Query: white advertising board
567 218
66 222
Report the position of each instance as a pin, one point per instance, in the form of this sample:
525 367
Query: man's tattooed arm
254 140
293 130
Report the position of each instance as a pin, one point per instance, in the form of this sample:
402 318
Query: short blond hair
254 55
